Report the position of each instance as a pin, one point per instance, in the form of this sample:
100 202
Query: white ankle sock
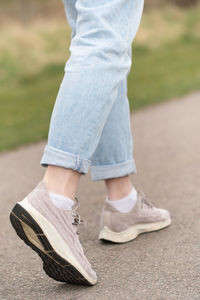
61 201
125 204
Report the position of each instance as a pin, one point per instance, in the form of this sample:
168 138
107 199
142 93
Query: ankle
61 181
118 188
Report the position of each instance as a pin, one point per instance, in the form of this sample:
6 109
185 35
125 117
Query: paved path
157 266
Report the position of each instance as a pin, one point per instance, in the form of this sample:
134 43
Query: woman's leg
47 222
113 159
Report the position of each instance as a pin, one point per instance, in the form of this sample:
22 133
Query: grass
165 64
167 72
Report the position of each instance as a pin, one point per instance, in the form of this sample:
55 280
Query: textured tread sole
54 265
132 232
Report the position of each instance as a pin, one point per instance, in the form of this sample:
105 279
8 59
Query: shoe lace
77 219
145 202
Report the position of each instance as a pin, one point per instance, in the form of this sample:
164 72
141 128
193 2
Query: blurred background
34 41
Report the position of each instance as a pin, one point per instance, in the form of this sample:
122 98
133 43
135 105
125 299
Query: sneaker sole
132 232
55 266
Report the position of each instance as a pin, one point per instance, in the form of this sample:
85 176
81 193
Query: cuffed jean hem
113 171
57 157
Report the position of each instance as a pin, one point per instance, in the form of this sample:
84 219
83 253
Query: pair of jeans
90 123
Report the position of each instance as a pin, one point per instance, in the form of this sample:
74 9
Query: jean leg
113 156
97 65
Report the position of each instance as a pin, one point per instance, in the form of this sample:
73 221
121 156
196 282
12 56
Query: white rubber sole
132 232
56 241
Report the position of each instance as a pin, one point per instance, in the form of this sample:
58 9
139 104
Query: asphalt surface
164 265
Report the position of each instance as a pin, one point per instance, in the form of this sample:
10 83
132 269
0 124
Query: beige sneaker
52 233
120 227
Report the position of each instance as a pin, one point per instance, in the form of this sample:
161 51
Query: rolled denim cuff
113 171
57 157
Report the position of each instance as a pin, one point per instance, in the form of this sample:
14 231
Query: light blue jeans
90 123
